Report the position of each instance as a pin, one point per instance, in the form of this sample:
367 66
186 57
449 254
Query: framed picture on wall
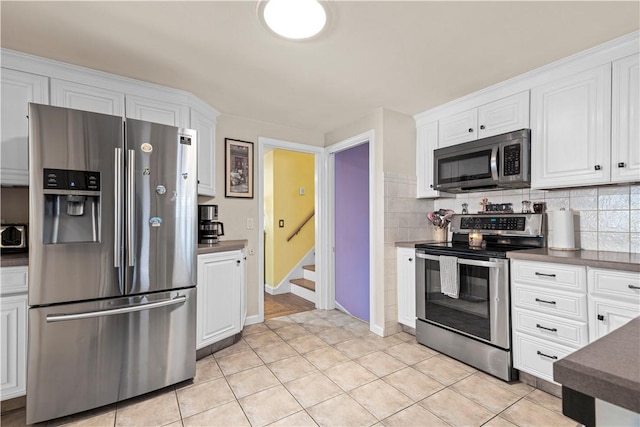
238 174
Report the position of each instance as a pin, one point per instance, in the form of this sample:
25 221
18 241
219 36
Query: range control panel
506 223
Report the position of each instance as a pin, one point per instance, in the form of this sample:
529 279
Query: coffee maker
209 228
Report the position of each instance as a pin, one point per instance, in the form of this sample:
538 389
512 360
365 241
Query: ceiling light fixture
293 19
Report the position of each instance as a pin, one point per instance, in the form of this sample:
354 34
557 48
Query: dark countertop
599 259
606 369
223 246
14 259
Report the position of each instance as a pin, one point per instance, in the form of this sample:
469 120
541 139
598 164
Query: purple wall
352 230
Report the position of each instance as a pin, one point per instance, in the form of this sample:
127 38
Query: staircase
305 287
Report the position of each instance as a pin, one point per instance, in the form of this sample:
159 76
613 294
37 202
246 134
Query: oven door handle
462 261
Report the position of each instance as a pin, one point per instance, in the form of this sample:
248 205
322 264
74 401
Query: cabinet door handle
470 130
600 317
545 274
622 164
546 302
481 126
411 260
238 262
597 167
545 328
634 287
546 355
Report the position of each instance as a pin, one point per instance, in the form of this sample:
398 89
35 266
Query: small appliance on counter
13 238
209 228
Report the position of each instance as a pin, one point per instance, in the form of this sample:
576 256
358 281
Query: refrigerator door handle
131 207
117 194
113 311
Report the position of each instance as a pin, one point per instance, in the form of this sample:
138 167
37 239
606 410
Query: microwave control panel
510 223
511 160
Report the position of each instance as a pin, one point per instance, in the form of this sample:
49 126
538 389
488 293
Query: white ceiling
406 56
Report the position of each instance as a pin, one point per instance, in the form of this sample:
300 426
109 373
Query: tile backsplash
607 217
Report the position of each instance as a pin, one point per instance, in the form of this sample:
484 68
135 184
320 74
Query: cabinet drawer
556 276
535 356
624 285
562 331
14 280
572 306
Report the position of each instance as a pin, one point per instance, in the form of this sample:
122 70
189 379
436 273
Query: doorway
307 220
364 243
351 204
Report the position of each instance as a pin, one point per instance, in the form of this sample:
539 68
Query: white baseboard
342 309
284 288
252 320
376 330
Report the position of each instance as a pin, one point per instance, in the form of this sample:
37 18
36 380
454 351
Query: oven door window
465 167
470 312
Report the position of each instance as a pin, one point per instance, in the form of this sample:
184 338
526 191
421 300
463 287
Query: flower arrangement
440 218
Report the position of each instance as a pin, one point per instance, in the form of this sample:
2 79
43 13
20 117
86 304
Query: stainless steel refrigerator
112 262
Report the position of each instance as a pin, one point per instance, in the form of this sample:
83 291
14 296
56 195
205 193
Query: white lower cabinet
549 313
407 286
536 356
614 299
13 332
221 290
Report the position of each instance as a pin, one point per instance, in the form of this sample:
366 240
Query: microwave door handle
494 163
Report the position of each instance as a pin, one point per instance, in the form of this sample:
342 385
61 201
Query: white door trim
368 136
320 238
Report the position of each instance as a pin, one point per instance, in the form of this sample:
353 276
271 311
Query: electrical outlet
252 251
301 191
249 223
281 223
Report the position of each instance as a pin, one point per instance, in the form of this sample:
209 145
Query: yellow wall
285 173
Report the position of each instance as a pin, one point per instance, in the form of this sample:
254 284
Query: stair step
309 267
308 284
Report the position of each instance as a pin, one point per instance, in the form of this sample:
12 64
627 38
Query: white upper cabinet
426 142
571 130
504 115
87 98
625 126
206 129
458 128
18 89
153 110
501 116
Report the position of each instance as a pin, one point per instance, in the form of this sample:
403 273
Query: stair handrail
297 230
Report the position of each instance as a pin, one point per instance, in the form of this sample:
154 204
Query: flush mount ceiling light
293 19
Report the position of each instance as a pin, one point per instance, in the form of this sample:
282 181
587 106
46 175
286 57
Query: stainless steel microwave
493 163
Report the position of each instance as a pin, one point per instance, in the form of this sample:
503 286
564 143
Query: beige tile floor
325 368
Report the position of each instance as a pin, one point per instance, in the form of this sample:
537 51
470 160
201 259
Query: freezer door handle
117 194
131 206
113 311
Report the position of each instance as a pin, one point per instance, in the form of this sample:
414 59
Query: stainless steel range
462 289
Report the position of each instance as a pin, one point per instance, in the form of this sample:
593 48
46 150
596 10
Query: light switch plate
249 223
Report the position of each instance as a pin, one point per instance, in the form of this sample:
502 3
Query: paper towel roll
561 234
